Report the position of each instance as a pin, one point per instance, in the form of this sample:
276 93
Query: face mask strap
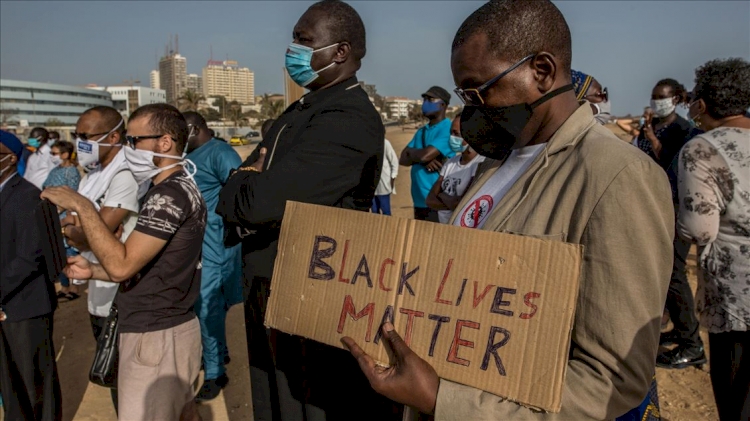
325 48
550 95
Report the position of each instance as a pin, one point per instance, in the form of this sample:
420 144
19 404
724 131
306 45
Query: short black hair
195 119
725 87
110 118
164 119
345 24
517 28
40 133
679 89
55 132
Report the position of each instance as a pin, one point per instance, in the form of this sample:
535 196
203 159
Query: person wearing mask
65 173
381 203
633 126
158 269
455 176
54 137
663 134
428 150
111 187
222 267
714 188
511 63
325 149
28 372
587 88
39 163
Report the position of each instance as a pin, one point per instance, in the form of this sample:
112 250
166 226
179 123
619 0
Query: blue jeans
382 204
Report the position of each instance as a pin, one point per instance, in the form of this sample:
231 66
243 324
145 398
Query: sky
627 45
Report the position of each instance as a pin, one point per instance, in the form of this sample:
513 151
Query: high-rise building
228 79
155 82
195 83
292 91
173 76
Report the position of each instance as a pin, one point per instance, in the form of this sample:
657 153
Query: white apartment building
228 79
399 105
155 82
126 99
195 83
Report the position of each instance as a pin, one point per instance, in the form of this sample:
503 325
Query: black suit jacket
26 288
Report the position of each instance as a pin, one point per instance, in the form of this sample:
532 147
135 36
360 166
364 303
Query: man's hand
78 268
434 165
66 198
410 380
258 165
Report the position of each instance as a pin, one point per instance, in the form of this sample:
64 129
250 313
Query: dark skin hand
412 380
409 380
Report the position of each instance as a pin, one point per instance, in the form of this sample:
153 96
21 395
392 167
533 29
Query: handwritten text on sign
489 310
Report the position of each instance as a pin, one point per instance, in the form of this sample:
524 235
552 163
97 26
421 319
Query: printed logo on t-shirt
450 186
477 211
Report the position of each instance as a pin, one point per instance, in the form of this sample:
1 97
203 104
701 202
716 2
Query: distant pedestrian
587 88
381 203
428 150
39 163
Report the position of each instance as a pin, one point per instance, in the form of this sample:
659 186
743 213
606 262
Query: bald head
517 28
344 24
195 119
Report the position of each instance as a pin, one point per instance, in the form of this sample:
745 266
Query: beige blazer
590 188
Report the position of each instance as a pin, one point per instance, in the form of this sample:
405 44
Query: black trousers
680 303
97 325
730 374
426 214
28 373
293 379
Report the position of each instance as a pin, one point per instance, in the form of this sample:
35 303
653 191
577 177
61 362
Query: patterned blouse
63 176
714 185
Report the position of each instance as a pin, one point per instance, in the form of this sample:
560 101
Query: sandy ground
684 394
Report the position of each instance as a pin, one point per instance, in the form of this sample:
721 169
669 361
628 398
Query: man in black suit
28 374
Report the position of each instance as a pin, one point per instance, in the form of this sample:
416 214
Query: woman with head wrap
589 89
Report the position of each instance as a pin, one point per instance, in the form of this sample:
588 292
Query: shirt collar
2 185
321 94
573 130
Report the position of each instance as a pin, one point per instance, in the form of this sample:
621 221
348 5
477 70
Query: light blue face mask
34 142
457 144
298 58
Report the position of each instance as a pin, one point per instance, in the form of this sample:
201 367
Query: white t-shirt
475 213
39 166
456 179
122 193
390 171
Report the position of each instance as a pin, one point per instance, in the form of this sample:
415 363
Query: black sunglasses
132 140
87 136
604 95
473 96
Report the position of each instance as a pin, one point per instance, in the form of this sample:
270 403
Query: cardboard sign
489 310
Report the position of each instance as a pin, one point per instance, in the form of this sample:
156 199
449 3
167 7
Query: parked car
237 140
252 134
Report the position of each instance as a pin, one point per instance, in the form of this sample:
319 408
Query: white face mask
141 164
56 160
662 107
88 150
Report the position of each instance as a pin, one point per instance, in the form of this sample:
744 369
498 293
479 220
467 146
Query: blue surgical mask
298 58
34 142
457 144
429 107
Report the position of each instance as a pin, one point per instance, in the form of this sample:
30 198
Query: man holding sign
552 173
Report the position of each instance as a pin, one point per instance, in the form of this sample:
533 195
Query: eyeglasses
473 96
604 95
87 136
132 140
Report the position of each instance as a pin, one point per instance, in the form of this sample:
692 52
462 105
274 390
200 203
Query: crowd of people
168 228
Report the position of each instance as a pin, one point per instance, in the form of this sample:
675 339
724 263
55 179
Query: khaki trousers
157 372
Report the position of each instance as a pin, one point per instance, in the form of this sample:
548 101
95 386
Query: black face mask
492 132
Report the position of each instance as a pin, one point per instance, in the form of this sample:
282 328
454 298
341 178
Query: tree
53 122
210 114
415 112
270 109
190 100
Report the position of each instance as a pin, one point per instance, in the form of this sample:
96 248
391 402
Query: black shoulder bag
104 368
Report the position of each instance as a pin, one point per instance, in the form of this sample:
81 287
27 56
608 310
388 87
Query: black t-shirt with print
163 293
